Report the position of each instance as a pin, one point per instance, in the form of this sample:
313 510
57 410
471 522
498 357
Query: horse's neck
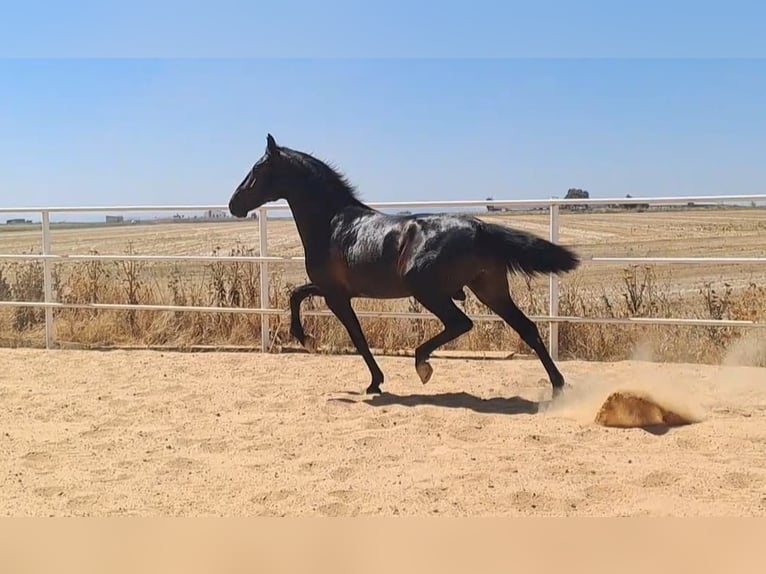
313 218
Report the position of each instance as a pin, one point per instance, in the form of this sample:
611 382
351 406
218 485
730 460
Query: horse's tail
525 252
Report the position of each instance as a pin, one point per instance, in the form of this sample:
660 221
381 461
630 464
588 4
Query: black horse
352 250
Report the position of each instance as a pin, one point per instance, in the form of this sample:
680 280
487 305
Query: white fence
552 205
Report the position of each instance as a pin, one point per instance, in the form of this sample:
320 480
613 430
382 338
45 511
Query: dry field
243 434
736 291
714 232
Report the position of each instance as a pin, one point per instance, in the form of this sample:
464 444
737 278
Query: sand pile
626 409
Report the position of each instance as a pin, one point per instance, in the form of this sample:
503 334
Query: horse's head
261 185
284 173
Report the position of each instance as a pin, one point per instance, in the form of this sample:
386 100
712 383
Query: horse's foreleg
340 305
296 327
455 322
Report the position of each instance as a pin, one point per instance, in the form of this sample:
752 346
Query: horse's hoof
559 391
374 389
425 370
310 344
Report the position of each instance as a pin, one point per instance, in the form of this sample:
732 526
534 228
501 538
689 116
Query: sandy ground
149 433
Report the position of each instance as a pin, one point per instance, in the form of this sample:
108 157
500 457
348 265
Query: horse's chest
330 271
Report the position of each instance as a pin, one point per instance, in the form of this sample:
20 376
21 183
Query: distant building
115 218
18 221
492 207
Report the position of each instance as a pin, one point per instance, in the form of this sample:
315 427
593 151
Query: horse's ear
271 144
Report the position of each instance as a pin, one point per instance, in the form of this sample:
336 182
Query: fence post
265 303
553 289
47 281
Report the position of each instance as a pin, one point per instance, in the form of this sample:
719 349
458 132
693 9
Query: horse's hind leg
296 327
491 288
455 323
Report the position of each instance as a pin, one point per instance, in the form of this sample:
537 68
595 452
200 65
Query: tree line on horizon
577 193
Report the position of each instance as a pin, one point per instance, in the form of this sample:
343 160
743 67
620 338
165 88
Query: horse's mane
329 176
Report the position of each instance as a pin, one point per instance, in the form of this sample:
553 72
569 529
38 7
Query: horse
352 251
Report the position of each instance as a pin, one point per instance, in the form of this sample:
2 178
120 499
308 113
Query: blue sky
390 28
186 131
162 130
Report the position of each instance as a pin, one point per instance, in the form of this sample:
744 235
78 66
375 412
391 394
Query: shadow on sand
497 405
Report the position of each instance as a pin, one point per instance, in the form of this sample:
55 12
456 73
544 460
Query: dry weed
643 293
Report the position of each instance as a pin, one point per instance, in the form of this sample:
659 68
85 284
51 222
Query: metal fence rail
553 318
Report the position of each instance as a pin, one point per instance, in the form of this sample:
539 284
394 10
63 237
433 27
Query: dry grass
698 291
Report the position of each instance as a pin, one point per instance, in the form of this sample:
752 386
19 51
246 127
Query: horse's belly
378 284
359 280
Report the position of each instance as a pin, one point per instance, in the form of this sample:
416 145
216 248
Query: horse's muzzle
237 210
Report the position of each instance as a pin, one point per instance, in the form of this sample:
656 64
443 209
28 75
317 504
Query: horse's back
385 255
